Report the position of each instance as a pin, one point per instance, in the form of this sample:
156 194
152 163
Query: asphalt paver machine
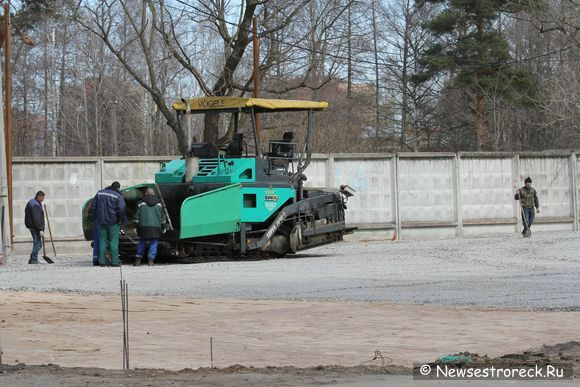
239 201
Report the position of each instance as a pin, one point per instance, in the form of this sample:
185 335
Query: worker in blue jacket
109 208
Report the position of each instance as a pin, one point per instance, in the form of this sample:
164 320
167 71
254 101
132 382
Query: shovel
49 230
47 259
128 237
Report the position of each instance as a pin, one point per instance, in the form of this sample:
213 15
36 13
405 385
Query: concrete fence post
515 182
457 191
395 192
329 171
573 183
101 171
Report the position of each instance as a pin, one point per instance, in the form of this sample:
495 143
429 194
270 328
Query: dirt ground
73 330
237 375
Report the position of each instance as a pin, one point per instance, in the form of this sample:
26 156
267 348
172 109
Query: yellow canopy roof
260 105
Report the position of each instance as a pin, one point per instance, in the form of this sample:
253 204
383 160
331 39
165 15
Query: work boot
137 261
150 262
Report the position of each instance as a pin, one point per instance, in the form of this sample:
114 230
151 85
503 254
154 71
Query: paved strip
542 272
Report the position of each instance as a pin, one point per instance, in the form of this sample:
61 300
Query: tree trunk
53 95
211 128
479 98
349 63
62 77
96 122
405 78
26 124
46 99
223 85
85 125
377 117
479 116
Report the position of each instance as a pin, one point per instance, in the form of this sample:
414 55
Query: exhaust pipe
191 168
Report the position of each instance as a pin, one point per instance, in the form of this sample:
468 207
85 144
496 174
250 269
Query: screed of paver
174 333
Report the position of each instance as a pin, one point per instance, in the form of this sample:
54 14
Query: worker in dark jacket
109 208
34 221
150 219
528 198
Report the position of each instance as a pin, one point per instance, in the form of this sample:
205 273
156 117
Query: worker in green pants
109 207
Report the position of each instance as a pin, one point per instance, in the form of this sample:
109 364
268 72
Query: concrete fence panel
316 174
66 184
552 178
487 191
487 194
373 204
426 196
130 172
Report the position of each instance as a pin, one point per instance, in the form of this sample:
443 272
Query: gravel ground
542 272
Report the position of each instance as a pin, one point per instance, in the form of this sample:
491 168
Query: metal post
124 326
127 320
211 352
125 312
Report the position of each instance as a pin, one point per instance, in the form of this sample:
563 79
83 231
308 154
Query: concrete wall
68 183
410 195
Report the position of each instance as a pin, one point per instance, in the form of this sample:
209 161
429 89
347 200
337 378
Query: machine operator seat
281 153
236 147
285 147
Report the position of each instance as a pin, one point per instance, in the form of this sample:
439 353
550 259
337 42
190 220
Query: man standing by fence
528 200
34 221
109 207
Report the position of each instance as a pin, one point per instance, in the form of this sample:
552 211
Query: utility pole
256 75
8 112
6 223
